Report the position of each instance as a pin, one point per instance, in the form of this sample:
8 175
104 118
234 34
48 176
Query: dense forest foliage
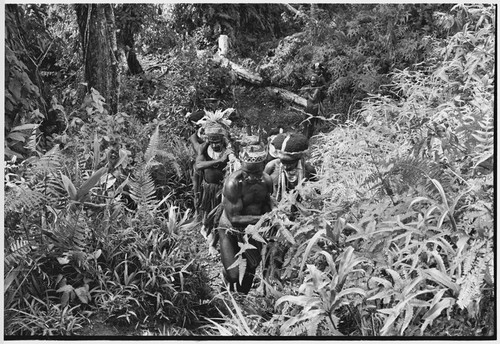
394 238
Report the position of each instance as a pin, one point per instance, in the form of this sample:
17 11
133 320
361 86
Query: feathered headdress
216 123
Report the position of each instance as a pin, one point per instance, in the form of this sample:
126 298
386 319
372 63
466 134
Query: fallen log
252 77
287 95
240 71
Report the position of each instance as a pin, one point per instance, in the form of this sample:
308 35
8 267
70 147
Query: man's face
314 81
289 165
253 172
216 142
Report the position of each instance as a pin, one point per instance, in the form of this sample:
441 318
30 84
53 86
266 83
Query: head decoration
252 150
277 141
216 123
291 146
271 139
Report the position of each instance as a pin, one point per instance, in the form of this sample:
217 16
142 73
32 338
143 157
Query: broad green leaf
25 127
16 136
439 261
437 276
420 199
435 311
70 188
301 300
398 282
439 187
123 154
9 278
382 294
350 291
65 298
388 321
90 183
65 288
309 247
83 293
330 261
382 281
412 285
407 319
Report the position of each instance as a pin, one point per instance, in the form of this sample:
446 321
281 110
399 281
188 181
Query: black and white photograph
249 171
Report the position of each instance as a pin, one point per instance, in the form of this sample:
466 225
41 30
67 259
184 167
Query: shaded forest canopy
395 238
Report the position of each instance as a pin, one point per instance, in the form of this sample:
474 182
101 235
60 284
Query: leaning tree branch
296 12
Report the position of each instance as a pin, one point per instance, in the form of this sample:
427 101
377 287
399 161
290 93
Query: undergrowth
387 242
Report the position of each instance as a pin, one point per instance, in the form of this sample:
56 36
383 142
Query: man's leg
228 249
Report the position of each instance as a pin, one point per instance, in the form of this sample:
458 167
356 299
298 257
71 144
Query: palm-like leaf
142 188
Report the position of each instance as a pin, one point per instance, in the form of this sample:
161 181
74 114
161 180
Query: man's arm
270 166
194 142
268 203
202 163
233 203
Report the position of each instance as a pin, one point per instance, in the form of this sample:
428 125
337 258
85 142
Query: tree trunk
287 95
98 38
238 70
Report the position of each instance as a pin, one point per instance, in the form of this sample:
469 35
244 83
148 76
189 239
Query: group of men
234 187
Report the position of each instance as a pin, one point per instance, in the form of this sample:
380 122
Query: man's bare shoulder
267 178
231 186
271 165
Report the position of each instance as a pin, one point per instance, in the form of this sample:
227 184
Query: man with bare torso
246 197
212 159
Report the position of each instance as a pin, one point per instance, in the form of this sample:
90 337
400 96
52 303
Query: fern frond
153 147
142 188
470 289
23 200
32 141
299 329
51 186
474 269
485 138
50 162
69 231
79 237
312 325
19 249
413 171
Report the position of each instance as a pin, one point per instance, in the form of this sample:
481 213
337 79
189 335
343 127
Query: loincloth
253 256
